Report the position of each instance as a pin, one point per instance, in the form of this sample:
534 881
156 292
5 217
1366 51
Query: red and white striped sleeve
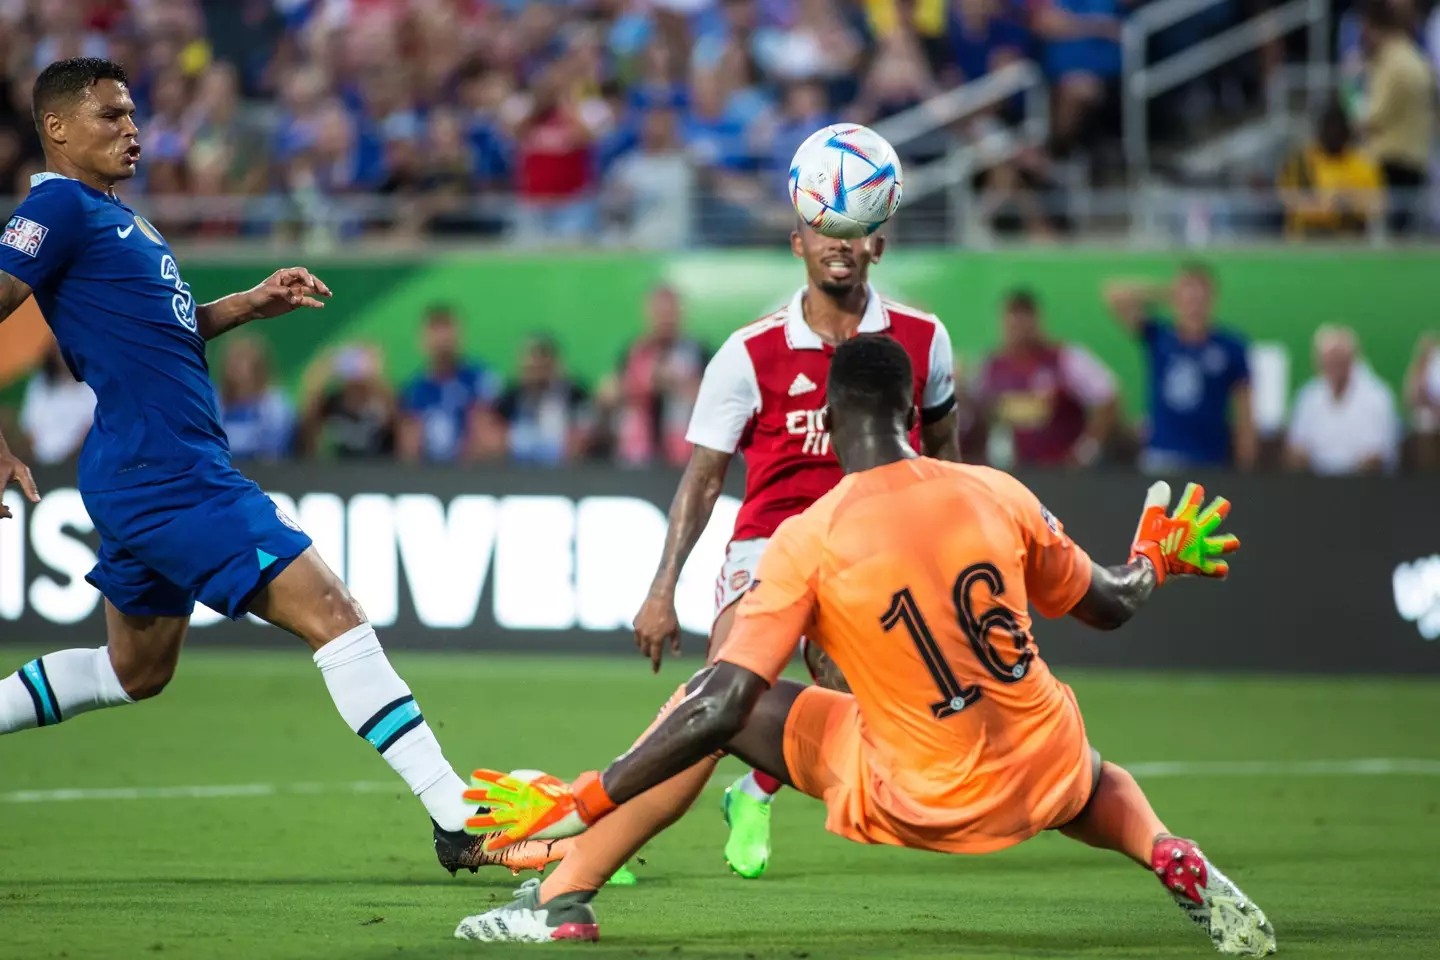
1086 375
729 398
938 397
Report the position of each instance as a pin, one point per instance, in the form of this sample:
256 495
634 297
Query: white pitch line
203 792
1362 767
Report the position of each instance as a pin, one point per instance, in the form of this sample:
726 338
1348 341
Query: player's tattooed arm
941 439
656 624
13 292
718 701
1115 594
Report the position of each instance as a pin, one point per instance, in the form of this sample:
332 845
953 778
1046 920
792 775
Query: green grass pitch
293 859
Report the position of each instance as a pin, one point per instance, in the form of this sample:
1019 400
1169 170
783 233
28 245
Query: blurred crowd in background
663 123
1211 398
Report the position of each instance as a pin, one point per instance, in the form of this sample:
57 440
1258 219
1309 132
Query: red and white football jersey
763 395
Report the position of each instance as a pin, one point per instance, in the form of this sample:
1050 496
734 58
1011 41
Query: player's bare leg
585 858
559 908
136 663
745 804
308 600
1119 817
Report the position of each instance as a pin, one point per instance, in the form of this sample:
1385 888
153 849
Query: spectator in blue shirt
258 420
1199 377
440 405
544 418
984 36
1080 50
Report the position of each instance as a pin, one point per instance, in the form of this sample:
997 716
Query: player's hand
286 290
542 808
1182 543
12 469
655 626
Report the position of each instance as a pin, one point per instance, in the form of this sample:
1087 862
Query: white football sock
377 704
748 785
59 686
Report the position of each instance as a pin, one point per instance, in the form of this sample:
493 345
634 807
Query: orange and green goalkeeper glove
1182 544
530 805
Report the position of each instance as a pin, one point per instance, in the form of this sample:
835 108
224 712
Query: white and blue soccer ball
845 181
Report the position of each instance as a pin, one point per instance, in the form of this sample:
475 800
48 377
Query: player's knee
337 612
145 680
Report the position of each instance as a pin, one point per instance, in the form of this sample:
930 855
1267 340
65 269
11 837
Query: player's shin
611 842
59 686
378 706
605 847
1118 817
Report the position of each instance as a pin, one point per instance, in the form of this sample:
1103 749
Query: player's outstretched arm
1115 594
656 625
283 291
718 702
1185 543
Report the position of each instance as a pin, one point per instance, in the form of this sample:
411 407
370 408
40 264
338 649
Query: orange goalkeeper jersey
916 578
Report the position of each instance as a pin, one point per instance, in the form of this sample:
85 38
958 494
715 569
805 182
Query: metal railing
1153 215
958 103
969 154
1144 82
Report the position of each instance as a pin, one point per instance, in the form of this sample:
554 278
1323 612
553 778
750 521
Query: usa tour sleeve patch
24 235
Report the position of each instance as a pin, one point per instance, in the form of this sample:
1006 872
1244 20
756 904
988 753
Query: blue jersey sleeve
1239 360
44 235
488 386
412 399
1150 329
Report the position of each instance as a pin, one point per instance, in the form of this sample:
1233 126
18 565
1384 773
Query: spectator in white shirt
1058 400
1345 420
57 411
1422 397
653 188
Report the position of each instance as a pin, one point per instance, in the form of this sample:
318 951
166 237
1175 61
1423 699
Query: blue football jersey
443 407
1190 387
111 291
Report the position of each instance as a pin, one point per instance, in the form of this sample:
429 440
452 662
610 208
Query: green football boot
747 852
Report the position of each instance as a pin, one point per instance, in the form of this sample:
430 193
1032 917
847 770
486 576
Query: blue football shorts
209 535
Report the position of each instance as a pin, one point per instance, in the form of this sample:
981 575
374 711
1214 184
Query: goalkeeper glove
1181 544
541 807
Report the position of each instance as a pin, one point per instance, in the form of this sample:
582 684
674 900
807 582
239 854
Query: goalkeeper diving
916 576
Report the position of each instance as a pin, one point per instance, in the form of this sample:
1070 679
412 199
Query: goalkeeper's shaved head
870 395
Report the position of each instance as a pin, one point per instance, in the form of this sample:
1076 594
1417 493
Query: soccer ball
567 826
845 181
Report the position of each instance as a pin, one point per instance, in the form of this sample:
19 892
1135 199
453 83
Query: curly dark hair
871 375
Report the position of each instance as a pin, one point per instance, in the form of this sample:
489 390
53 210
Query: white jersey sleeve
939 390
729 397
1086 376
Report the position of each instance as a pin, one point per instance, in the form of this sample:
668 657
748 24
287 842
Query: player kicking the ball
176 521
763 395
916 576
